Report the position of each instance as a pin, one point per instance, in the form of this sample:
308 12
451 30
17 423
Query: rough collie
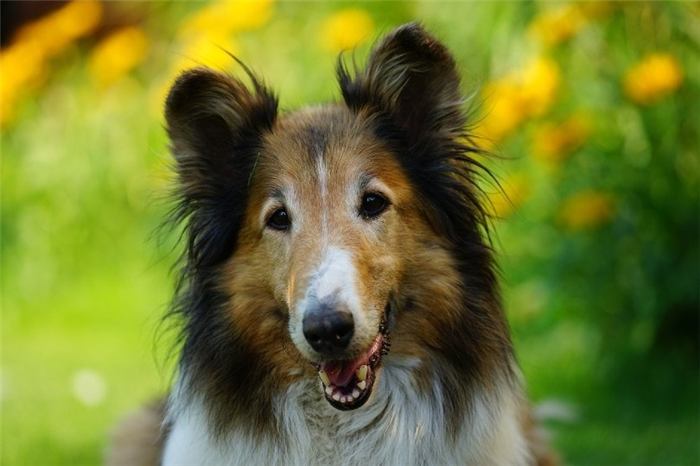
338 301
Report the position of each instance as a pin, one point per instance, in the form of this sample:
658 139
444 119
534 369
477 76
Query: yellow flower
118 54
207 35
24 61
522 94
346 28
57 30
226 17
21 65
552 142
207 50
77 18
558 24
514 191
587 210
540 85
505 112
657 75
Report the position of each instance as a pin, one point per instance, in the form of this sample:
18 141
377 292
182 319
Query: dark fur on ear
411 75
215 123
410 89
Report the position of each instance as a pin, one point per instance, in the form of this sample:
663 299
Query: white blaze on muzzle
332 328
335 278
330 315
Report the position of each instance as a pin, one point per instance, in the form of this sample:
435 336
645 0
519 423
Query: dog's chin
347 384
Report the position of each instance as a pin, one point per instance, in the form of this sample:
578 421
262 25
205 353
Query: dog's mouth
347 384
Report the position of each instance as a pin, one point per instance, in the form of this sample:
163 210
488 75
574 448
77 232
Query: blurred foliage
607 146
594 108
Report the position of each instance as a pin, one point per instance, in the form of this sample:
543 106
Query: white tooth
361 373
329 390
350 399
336 396
324 378
356 393
362 385
343 399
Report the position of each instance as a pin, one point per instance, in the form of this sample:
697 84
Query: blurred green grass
602 312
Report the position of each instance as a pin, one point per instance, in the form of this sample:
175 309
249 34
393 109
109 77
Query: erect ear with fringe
414 78
215 126
212 119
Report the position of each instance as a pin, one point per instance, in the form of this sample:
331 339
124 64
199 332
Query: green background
604 314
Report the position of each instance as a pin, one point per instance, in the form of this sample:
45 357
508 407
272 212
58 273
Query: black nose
328 330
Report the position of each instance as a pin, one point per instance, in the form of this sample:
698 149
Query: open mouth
347 384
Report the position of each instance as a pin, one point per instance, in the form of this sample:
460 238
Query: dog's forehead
332 137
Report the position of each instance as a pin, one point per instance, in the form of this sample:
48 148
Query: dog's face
305 230
325 231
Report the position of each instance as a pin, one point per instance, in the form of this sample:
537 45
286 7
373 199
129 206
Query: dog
339 300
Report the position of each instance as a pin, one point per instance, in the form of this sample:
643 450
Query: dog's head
314 220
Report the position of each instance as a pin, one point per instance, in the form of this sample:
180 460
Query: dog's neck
405 423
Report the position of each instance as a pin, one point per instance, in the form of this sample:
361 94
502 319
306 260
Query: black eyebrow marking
365 180
316 139
277 193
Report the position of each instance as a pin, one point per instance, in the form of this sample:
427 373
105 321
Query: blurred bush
600 114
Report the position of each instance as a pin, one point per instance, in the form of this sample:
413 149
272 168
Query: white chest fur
396 427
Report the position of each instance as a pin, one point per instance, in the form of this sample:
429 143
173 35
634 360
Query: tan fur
138 439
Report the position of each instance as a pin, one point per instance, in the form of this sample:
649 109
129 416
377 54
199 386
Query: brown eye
279 220
373 204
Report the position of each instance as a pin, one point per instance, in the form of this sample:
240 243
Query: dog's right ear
215 124
213 120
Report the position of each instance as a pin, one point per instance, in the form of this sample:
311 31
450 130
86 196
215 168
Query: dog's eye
279 220
373 204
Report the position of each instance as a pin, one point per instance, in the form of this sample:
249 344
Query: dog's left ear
413 77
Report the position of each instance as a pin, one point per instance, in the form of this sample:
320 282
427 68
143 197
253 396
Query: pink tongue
340 373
